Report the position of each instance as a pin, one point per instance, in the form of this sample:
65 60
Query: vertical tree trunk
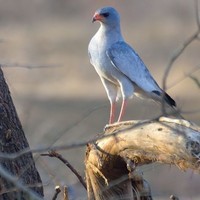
13 140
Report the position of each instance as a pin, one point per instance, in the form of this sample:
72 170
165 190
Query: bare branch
180 50
196 80
12 156
65 197
137 124
177 53
74 124
59 156
197 13
28 66
172 197
57 191
194 70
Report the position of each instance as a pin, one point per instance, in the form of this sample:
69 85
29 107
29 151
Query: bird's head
107 15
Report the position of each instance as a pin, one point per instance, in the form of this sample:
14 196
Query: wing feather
127 61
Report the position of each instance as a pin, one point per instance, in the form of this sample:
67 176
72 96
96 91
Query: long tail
166 98
169 100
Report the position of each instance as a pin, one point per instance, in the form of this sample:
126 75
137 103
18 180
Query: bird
120 68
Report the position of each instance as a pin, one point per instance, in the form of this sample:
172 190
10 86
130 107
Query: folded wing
126 60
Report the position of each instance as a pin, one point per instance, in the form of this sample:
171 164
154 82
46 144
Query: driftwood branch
111 162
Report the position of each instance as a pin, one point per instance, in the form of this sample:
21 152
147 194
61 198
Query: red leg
122 111
112 112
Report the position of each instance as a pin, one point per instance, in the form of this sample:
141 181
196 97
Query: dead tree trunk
19 178
111 161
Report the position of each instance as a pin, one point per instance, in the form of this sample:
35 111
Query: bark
19 178
111 161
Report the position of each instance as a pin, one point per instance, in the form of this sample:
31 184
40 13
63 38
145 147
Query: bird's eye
105 14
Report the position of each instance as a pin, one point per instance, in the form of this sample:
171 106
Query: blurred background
60 98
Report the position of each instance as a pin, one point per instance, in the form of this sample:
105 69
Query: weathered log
111 161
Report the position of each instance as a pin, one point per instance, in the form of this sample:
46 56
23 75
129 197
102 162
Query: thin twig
12 156
174 57
196 80
15 189
65 196
57 191
186 75
172 197
197 13
59 156
77 122
180 50
27 66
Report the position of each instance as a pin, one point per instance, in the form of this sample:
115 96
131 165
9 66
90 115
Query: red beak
97 17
